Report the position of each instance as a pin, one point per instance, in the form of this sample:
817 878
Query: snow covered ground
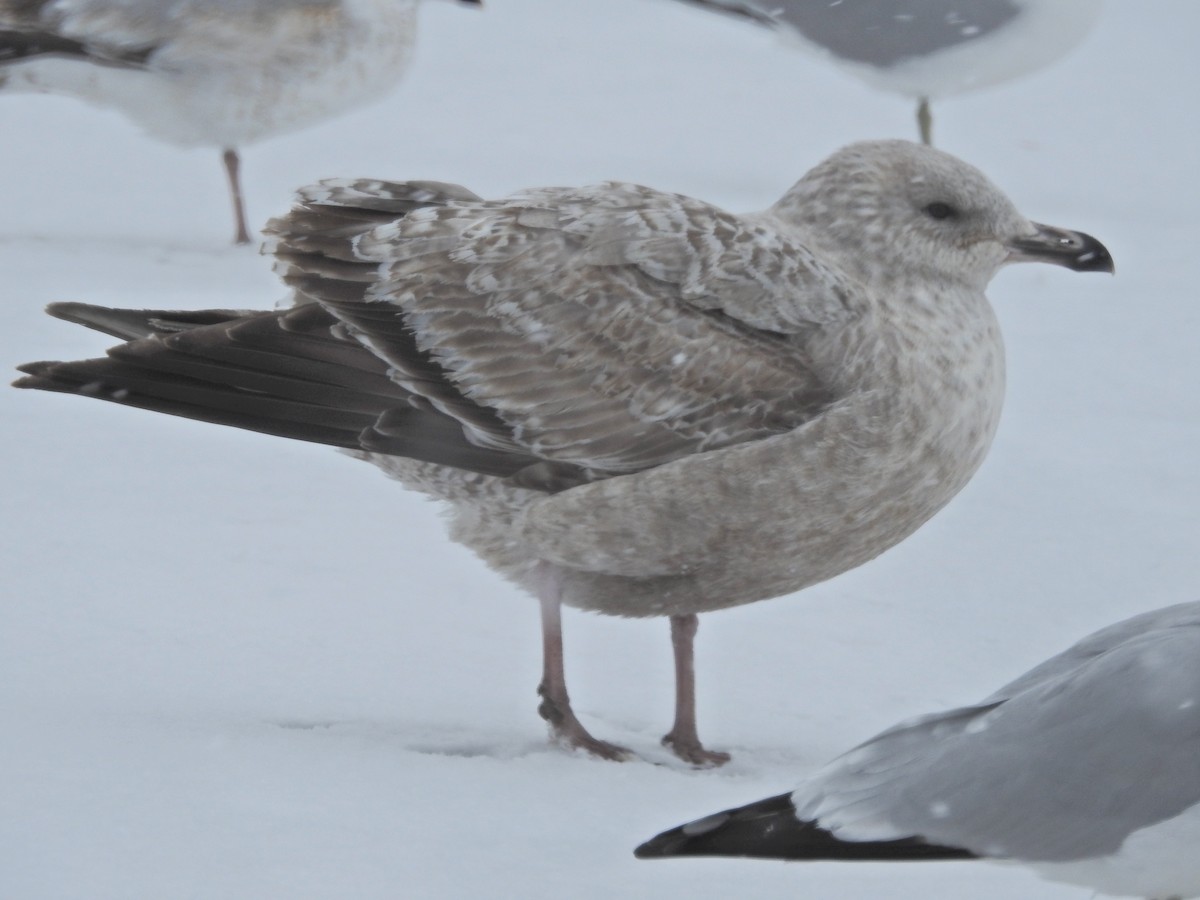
233 667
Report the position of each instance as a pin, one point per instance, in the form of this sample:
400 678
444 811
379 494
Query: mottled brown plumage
634 402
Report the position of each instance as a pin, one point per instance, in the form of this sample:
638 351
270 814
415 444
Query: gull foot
692 751
568 731
593 746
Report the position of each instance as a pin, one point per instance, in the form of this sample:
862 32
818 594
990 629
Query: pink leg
555 707
682 738
232 167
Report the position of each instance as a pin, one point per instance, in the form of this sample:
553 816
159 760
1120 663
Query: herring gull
633 402
927 49
210 73
1086 769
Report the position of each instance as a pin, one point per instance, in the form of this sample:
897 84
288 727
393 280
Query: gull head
894 209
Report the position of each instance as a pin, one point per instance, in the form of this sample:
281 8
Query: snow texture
215 684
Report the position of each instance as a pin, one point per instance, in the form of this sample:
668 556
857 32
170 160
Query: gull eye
939 210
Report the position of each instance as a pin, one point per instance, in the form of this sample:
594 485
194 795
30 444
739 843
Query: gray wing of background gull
880 33
1087 748
1165 620
926 49
1062 764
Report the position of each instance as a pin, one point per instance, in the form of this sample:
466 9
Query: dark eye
940 210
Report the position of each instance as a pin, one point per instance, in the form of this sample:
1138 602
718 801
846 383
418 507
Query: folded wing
555 337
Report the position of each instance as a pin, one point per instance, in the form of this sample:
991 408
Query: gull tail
769 829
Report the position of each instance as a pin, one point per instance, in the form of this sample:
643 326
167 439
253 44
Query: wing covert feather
612 327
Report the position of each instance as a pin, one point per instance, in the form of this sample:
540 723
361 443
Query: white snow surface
236 667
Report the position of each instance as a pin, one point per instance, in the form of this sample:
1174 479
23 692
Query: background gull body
210 73
1084 769
633 402
927 49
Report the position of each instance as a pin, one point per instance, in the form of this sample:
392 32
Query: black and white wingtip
769 829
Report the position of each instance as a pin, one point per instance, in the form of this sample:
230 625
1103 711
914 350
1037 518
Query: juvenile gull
927 49
210 73
1085 769
633 402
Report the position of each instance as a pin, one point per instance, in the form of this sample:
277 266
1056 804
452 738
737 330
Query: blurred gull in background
1086 769
927 49
210 73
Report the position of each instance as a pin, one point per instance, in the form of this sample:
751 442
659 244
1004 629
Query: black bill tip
1074 250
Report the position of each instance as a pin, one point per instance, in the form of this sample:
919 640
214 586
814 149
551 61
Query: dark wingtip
747 12
71 311
126 324
655 849
766 828
35 374
770 829
680 841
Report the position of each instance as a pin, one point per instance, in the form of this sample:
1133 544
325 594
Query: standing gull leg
210 73
232 167
555 707
682 738
925 121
